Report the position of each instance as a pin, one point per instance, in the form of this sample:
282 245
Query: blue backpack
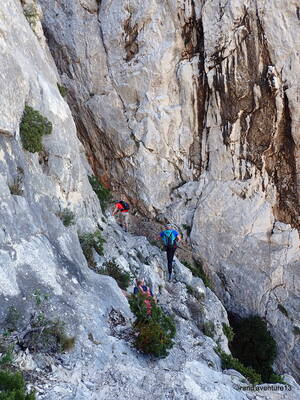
169 239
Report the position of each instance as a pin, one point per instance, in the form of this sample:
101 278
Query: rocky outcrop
36 248
104 363
207 68
39 255
190 109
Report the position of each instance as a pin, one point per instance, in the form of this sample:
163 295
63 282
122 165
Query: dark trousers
170 256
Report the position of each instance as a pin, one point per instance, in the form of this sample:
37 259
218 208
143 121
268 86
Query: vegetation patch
154 331
228 332
16 187
12 387
90 241
6 351
33 127
67 217
112 269
62 90
193 292
229 362
31 14
254 346
104 195
197 270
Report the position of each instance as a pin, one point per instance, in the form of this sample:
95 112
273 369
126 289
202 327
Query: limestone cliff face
37 252
32 237
191 108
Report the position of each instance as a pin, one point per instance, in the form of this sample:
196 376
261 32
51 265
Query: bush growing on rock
33 127
254 346
12 387
197 270
6 350
90 241
228 332
104 195
67 217
229 362
152 339
62 90
209 329
154 332
112 269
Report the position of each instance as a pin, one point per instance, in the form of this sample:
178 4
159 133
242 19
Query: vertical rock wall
191 108
36 249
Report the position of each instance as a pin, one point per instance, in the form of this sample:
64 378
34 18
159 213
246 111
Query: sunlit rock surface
191 108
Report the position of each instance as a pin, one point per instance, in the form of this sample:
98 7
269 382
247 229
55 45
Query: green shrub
197 270
153 340
12 387
274 378
104 195
112 269
67 217
90 241
229 362
254 346
209 329
33 127
7 354
155 331
228 332
62 90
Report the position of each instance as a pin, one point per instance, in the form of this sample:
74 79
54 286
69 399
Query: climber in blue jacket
170 237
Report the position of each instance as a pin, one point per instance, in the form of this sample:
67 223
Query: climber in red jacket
122 211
